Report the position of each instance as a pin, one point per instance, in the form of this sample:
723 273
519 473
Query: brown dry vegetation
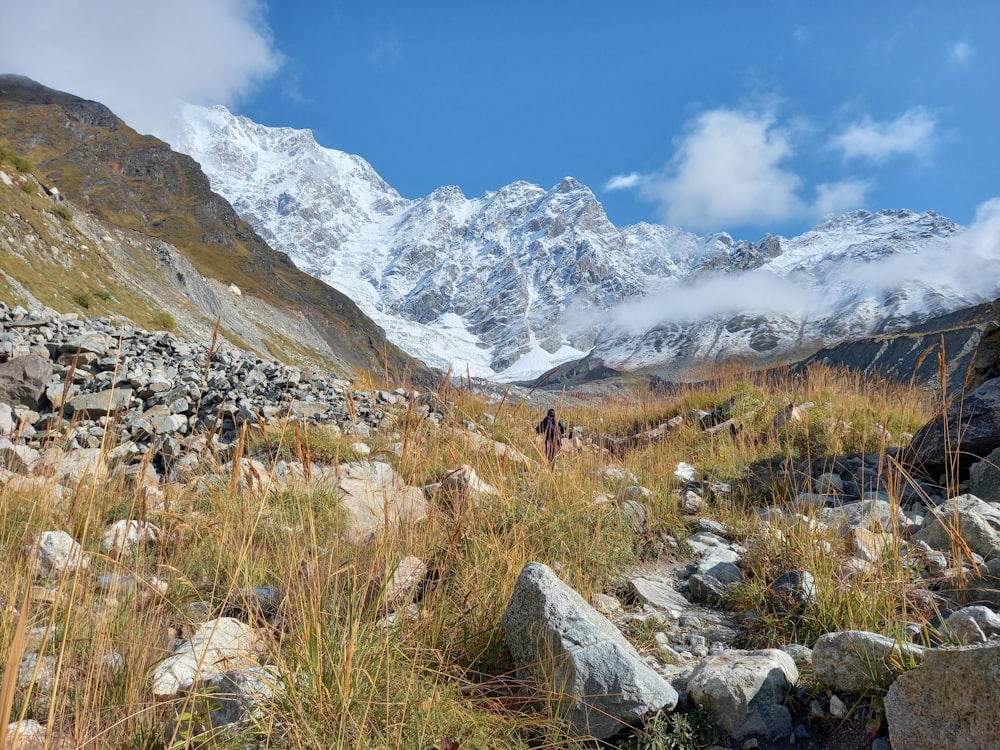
351 681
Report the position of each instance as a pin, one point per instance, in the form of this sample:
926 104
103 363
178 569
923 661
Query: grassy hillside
135 181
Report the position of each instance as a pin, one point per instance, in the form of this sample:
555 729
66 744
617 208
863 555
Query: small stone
837 708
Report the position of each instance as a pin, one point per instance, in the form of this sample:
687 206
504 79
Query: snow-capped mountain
514 282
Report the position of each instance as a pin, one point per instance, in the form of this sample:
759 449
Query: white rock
123 537
55 552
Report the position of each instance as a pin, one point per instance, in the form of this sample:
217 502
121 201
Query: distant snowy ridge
517 281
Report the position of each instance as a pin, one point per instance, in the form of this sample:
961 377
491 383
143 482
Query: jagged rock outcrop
968 431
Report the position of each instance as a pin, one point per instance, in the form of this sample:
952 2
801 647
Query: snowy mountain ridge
519 280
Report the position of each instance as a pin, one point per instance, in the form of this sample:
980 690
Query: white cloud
734 168
953 266
728 170
960 53
758 291
624 181
912 132
139 57
837 197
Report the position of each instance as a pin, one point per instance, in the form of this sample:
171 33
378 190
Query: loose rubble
159 410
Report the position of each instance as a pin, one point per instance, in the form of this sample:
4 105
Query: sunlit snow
462 283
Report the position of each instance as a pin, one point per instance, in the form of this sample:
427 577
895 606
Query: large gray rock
659 595
948 703
109 402
464 484
862 514
855 661
23 380
972 625
977 522
217 646
577 653
745 692
793 591
55 552
973 431
375 496
984 478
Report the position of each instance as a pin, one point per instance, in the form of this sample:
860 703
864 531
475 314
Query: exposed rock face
146 222
947 703
536 277
552 632
969 336
969 431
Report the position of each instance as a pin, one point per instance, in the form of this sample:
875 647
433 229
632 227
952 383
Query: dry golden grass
353 681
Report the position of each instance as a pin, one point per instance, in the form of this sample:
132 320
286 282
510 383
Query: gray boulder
217 646
110 402
978 523
855 661
984 478
659 595
948 703
553 634
791 592
375 497
56 551
23 380
973 431
972 625
864 514
223 702
745 692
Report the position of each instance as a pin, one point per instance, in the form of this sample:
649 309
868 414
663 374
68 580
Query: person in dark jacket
553 430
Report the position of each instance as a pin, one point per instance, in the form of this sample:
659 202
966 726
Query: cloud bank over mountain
143 59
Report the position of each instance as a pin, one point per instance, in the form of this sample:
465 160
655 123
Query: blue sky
746 117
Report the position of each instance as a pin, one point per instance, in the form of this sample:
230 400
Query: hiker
553 429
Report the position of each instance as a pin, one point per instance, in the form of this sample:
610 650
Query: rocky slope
139 232
83 401
514 282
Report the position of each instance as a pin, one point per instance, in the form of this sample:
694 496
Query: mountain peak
522 279
568 184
